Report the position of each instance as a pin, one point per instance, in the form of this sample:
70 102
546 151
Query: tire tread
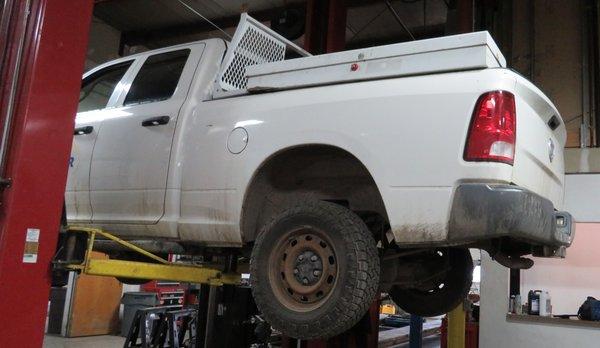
363 272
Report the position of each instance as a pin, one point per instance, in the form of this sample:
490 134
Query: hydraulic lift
161 269
223 305
157 326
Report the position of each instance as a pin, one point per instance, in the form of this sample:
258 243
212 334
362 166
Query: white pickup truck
337 176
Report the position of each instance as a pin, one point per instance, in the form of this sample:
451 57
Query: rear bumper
484 212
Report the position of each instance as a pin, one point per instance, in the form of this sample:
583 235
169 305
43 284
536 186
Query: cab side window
97 88
157 78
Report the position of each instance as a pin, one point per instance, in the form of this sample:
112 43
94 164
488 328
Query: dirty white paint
408 132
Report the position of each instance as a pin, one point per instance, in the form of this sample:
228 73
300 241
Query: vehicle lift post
416 331
456 327
365 334
210 279
42 56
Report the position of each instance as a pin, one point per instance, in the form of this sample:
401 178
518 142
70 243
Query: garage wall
549 32
572 279
582 184
581 197
103 44
558 59
586 160
496 332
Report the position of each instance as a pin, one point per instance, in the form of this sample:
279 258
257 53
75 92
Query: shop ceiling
159 23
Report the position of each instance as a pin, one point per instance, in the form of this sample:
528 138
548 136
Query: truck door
131 157
99 91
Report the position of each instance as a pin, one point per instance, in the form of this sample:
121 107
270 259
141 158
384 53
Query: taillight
492 133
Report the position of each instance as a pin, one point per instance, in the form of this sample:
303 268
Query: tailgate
541 136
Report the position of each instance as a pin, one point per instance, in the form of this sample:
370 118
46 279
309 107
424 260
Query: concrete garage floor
51 341
428 342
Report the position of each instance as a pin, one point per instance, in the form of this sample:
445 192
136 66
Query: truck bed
452 53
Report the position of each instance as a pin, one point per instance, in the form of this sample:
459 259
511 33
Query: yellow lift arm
162 270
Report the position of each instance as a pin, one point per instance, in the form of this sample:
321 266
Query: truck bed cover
451 53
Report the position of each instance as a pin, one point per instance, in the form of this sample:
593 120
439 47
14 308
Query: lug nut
313 258
305 281
296 271
316 273
301 257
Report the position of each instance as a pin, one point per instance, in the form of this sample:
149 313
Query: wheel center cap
308 268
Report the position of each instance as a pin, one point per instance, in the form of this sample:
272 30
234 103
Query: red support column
325 26
50 43
464 10
336 26
316 26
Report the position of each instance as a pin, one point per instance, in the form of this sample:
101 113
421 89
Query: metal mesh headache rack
253 43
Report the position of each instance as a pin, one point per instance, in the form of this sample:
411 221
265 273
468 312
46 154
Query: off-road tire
457 284
357 277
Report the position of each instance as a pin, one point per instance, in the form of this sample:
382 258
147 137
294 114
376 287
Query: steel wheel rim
438 283
303 269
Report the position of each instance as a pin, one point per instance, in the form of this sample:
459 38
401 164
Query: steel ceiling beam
140 37
143 37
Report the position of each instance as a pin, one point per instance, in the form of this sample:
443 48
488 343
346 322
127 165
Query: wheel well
309 172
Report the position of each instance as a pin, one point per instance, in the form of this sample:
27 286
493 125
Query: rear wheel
314 270
447 284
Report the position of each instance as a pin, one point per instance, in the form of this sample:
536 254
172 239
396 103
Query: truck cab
125 127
